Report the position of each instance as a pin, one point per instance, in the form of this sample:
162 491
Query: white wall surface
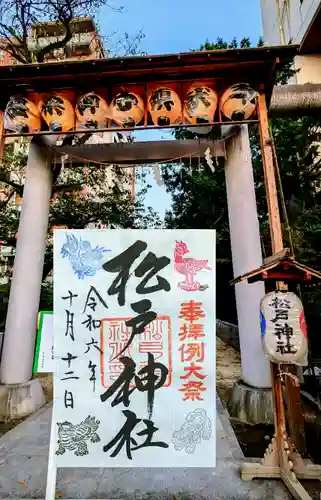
309 69
287 19
271 32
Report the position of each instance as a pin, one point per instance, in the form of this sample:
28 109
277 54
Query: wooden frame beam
231 65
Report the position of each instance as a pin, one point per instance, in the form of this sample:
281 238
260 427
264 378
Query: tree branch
22 16
18 187
47 268
67 187
10 242
56 45
56 173
9 197
11 47
219 218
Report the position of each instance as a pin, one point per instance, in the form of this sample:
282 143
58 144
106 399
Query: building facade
287 21
296 22
5 58
84 44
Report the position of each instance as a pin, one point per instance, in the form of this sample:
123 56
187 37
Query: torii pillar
19 394
251 399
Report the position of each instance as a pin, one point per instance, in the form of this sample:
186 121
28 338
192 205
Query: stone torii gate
257 67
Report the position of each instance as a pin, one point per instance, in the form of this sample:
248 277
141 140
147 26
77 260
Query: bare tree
124 44
18 16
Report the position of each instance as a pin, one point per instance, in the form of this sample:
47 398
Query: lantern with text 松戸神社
200 104
127 109
21 116
92 111
283 328
58 112
238 102
164 106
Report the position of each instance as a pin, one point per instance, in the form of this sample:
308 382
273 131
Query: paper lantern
21 116
200 104
164 106
92 111
58 112
238 102
283 328
127 109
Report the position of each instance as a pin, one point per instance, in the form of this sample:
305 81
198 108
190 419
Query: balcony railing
77 39
6 251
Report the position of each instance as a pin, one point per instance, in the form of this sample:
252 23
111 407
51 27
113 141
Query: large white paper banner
134 327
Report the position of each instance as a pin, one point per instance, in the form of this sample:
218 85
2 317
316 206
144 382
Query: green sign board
44 351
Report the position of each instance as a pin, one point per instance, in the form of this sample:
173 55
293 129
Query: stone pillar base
251 405
20 400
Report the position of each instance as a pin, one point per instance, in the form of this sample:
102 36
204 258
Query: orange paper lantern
127 109
200 104
238 102
21 116
164 106
92 111
58 112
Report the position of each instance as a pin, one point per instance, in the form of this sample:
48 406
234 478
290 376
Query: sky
172 26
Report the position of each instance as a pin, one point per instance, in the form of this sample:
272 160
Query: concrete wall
286 21
5 58
309 69
271 31
229 333
302 16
